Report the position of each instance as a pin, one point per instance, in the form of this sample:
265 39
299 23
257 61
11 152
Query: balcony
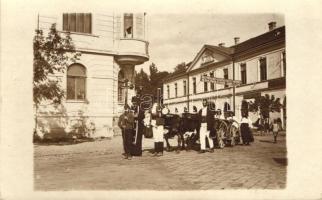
132 51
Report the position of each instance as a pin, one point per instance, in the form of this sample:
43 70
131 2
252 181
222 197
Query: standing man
206 116
126 122
139 124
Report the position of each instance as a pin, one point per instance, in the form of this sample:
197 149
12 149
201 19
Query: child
275 130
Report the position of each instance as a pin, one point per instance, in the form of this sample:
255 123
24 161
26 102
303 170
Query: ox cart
186 128
227 132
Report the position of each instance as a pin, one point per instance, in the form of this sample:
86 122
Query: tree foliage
150 83
265 105
52 54
182 67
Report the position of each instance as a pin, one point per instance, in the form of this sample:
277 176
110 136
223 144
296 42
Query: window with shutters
176 90
128 25
184 88
121 87
205 85
283 64
77 22
226 76
168 91
243 73
194 85
263 69
76 82
212 85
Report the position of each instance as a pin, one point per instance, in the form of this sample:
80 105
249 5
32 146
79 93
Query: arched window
76 82
121 89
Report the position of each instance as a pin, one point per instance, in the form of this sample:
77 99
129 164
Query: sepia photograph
160 100
119 100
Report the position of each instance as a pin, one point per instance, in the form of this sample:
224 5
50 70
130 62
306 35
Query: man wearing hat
206 116
126 123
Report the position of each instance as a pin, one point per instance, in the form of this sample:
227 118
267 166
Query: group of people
135 121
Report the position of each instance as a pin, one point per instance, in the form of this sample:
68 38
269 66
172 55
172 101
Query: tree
265 105
142 80
52 55
150 83
180 68
156 79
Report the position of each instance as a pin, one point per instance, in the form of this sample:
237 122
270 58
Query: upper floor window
121 87
184 88
77 22
76 80
226 76
212 85
263 69
205 85
194 85
243 73
284 64
128 25
168 91
176 89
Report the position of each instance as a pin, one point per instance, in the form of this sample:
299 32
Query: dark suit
126 122
137 146
207 123
209 119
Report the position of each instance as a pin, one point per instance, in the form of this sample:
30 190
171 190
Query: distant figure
194 109
185 110
126 123
275 130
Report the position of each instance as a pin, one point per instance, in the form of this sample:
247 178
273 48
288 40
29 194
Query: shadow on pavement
267 141
282 161
62 142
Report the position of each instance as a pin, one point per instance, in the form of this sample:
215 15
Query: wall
274 64
101 93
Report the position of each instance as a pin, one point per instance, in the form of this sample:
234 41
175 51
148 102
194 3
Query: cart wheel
232 142
221 143
234 136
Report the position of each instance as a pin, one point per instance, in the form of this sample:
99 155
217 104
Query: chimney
271 26
221 44
236 40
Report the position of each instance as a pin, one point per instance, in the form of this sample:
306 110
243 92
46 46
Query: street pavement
99 165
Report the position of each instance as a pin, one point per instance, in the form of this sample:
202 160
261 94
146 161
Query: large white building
259 63
111 45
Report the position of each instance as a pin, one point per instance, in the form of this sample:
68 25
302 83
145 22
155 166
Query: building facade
98 84
259 63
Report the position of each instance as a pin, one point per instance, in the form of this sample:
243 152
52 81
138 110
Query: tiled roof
266 38
174 75
226 50
278 33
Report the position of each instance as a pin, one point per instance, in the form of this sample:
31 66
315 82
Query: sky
177 38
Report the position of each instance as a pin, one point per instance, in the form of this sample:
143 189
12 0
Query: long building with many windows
258 63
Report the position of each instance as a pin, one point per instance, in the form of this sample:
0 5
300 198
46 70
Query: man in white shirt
207 123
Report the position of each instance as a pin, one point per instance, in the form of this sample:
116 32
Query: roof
175 75
226 50
276 34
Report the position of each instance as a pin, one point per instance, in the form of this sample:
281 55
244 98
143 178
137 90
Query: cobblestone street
99 165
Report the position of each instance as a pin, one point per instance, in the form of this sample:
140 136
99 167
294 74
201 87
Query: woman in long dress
157 123
245 130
